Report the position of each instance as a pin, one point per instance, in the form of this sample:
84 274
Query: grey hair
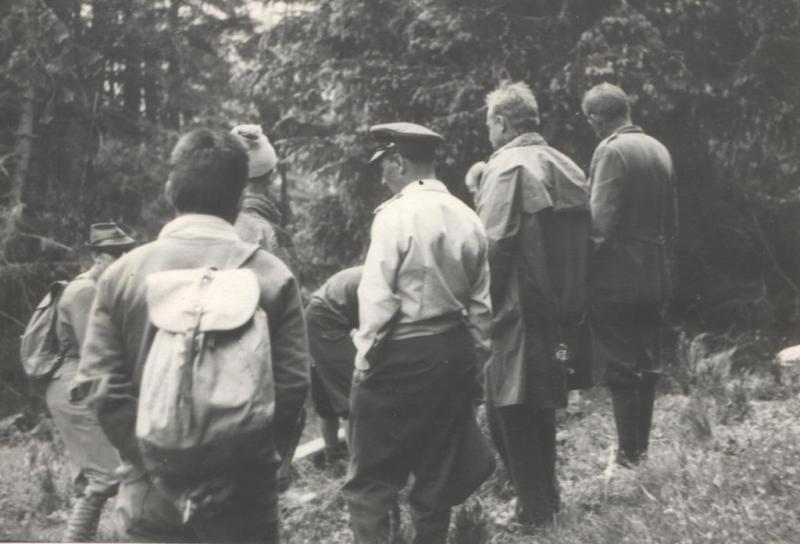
608 101
515 102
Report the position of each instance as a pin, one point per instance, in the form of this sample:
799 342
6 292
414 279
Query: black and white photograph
400 271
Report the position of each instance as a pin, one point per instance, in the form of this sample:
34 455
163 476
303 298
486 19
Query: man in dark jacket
632 185
258 222
533 201
208 173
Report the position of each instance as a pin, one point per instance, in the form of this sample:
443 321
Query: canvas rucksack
39 348
207 392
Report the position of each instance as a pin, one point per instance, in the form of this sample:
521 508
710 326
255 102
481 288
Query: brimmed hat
108 235
396 135
262 156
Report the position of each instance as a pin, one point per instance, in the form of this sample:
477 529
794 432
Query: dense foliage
94 93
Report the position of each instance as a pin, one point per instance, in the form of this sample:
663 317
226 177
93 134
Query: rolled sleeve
377 301
479 309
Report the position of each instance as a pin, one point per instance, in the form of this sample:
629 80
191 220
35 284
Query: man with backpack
91 455
195 357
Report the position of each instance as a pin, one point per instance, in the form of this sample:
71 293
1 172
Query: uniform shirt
427 262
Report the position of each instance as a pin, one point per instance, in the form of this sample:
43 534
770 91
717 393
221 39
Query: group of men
452 308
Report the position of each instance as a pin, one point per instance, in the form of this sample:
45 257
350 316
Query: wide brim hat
103 235
389 136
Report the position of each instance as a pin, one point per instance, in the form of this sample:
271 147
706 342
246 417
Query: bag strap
243 252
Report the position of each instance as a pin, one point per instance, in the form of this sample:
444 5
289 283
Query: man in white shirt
424 316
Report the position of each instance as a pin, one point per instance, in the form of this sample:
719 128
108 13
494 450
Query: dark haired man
633 205
92 457
424 315
533 201
208 171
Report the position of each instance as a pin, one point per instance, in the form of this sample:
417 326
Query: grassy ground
739 484
724 467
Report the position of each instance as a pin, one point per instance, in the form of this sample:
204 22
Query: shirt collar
627 129
424 185
196 226
525 139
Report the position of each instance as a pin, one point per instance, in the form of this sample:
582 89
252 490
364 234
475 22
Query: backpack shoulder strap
241 254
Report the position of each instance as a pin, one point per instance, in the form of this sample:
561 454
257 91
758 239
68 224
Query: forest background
94 93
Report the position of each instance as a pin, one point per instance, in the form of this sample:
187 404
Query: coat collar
526 139
196 226
624 129
627 129
261 205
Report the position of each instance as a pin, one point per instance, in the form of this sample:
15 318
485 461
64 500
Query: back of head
208 171
517 103
423 154
607 101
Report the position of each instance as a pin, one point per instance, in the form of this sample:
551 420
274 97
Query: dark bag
573 350
39 350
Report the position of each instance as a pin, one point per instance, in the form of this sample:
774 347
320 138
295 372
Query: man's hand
474 176
358 376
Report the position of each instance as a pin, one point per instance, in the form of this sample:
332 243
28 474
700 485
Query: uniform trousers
633 414
413 414
628 347
525 437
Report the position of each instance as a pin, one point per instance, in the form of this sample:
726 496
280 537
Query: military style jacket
634 218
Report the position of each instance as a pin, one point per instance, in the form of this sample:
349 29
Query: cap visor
377 155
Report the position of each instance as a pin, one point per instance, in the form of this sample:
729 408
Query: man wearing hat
424 317
257 223
258 215
91 455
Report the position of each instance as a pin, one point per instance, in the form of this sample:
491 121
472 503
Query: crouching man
238 503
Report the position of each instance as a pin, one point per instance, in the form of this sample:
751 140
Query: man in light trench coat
533 201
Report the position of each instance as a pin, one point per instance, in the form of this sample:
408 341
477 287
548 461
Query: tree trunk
24 145
171 106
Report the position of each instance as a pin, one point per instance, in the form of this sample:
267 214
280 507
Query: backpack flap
227 299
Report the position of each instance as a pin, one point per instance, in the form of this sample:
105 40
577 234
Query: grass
724 467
